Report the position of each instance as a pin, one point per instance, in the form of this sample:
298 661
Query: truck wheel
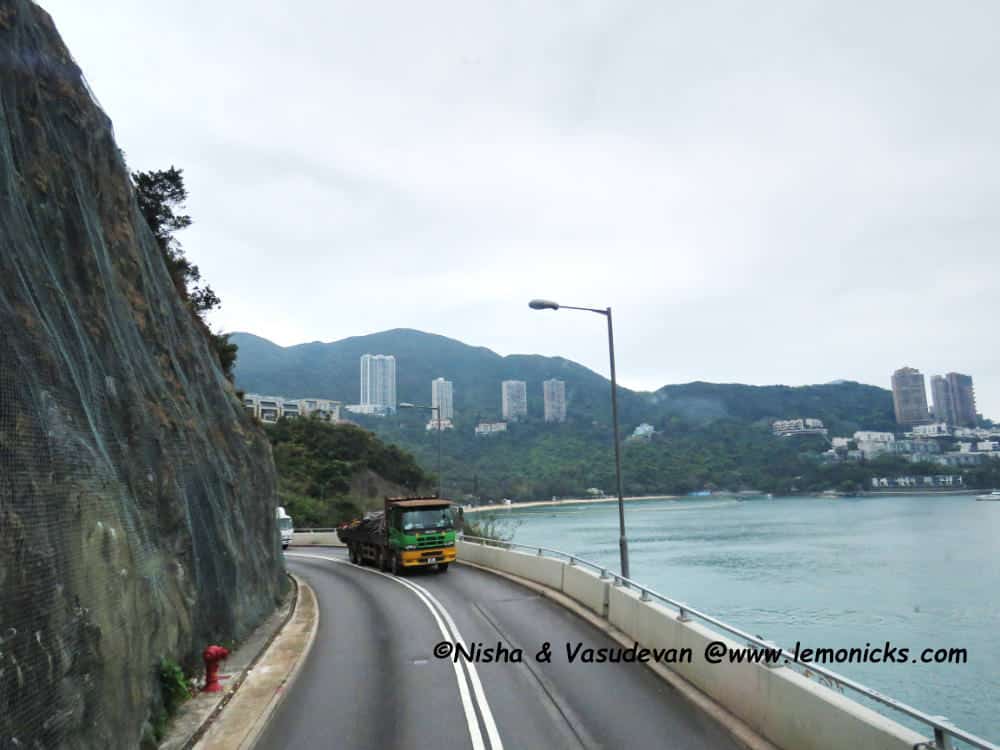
442 567
394 565
352 553
383 562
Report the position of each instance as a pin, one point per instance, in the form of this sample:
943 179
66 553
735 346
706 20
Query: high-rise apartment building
378 381
954 399
963 397
944 404
909 396
514 399
554 392
441 397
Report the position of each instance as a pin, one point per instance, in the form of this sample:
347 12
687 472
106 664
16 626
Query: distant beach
565 501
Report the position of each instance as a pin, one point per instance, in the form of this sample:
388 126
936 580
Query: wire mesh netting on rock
136 497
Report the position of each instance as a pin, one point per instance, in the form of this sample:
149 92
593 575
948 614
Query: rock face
136 497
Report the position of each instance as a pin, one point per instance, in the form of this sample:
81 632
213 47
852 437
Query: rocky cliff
136 498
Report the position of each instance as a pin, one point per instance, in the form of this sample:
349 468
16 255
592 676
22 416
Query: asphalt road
372 680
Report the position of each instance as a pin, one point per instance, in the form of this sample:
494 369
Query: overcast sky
786 192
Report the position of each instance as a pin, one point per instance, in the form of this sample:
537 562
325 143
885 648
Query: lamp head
543 304
404 405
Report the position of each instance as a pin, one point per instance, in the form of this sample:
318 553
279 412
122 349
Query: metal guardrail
944 731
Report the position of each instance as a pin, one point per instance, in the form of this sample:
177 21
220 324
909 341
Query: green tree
161 195
316 462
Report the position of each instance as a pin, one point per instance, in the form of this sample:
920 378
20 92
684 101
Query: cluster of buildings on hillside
922 444
514 400
270 409
789 427
937 481
378 398
950 422
954 399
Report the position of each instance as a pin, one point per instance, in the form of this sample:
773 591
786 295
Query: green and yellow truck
409 532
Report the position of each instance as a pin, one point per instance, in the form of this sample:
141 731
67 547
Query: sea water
916 571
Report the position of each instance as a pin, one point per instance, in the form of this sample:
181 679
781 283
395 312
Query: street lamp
544 304
436 409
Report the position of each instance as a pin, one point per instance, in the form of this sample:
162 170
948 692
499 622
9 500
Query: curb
179 738
738 729
306 606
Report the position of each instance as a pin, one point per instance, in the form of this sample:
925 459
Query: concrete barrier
782 705
543 570
470 552
316 539
587 588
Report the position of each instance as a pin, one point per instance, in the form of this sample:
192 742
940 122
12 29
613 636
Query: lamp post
544 304
437 410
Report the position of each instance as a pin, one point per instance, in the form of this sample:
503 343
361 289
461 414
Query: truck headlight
410 546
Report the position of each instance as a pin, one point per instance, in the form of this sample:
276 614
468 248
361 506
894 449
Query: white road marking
484 707
452 633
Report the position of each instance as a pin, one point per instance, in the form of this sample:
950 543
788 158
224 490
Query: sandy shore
566 501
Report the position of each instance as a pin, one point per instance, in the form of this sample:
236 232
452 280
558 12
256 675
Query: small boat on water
995 495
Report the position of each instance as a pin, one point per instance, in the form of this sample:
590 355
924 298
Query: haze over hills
331 370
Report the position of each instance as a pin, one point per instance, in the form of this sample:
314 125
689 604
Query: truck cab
285 527
421 532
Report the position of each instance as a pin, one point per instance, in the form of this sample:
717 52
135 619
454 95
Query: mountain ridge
331 370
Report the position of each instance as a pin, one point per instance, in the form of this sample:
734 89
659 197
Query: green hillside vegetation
844 407
319 466
534 460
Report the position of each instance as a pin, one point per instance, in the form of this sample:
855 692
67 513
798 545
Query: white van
286 527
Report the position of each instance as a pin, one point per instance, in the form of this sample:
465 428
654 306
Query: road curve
372 680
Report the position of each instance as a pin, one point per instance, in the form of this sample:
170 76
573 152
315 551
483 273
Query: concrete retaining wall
779 703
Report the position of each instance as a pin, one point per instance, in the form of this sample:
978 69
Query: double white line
465 671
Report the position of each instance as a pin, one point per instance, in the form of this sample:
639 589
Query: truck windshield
421 520
285 524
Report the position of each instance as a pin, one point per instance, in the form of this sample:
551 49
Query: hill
844 406
330 473
708 434
331 370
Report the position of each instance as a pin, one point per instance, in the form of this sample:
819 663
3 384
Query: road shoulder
242 720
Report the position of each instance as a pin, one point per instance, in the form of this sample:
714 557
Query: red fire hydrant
212 656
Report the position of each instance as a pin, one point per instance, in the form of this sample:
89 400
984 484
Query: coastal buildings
954 399
378 384
791 427
442 398
909 397
934 429
514 399
269 409
944 404
554 393
644 431
867 436
490 428
871 444
963 399
912 482
918 448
